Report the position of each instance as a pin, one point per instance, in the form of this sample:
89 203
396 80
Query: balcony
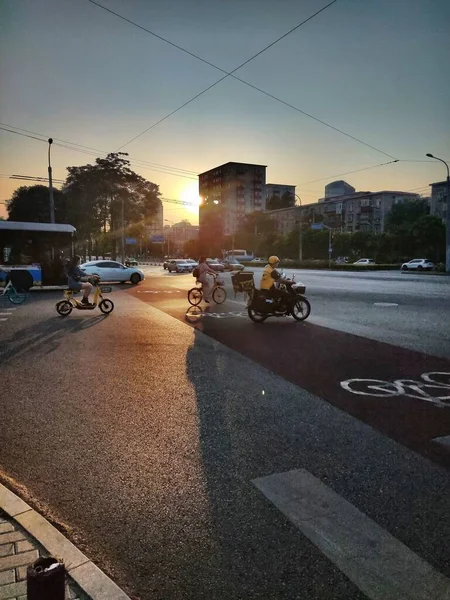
366 209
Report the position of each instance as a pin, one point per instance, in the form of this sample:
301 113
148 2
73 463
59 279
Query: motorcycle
292 302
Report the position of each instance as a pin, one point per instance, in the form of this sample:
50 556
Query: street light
447 219
300 233
50 184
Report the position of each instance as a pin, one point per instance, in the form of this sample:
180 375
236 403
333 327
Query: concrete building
229 192
438 204
178 234
278 190
360 211
338 188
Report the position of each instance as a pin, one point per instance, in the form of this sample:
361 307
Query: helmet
273 260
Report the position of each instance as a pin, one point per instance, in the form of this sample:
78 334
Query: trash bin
46 579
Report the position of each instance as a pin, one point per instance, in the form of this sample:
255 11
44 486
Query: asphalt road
145 434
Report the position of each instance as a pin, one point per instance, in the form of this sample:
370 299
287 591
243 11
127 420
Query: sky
375 69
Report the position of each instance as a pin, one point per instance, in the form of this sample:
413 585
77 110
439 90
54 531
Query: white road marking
381 566
5 314
443 440
3 319
385 304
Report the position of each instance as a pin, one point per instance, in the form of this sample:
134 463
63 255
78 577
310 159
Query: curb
86 575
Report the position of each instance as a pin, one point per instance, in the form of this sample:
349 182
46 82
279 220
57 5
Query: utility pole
447 218
300 232
123 228
50 184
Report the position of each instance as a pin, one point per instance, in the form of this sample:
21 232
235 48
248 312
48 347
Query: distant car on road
420 264
215 265
131 262
180 265
193 262
110 270
364 262
231 264
166 262
258 261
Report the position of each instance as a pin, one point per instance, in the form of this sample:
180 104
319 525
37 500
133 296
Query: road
174 451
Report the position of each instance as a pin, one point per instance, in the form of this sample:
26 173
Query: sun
189 194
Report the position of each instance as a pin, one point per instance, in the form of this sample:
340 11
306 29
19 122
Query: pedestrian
203 271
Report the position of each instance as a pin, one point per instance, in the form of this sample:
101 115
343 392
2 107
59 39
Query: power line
349 172
227 74
237 78
95 152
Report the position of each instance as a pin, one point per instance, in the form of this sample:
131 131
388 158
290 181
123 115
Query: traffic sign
157 239
130 241
317 226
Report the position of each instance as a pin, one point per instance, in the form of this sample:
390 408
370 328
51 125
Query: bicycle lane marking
318 359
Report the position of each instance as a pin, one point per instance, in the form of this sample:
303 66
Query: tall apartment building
360 211
228 193
275 189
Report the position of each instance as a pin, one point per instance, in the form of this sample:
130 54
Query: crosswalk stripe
376 562
3 319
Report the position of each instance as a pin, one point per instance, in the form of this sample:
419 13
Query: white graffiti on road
434 388
195 313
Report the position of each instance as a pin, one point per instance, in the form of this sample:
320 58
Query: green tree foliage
99 193
275 202
32 204
402 216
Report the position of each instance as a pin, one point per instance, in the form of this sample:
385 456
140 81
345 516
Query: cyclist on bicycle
74 276
203 271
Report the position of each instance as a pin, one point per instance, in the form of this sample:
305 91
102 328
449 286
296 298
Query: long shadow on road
43 337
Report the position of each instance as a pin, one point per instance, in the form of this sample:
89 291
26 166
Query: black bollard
46 580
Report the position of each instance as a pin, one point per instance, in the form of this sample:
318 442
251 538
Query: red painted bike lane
397 394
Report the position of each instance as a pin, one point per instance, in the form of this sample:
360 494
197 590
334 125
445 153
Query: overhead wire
231 74
227 73
95 152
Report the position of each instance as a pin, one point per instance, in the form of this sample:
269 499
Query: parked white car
110 270
364 261
421 264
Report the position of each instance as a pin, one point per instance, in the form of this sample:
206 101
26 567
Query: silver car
179 265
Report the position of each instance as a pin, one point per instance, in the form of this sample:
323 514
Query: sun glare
189 194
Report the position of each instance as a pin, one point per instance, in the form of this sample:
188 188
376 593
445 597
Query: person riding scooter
74 276
269 277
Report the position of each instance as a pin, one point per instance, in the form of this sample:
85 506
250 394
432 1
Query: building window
365 202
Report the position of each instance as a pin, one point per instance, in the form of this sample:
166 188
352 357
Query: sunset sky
377 70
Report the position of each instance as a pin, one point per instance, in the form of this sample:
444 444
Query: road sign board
130 241
316 226
157 239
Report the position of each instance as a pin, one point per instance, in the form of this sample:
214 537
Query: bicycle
219 295
13 295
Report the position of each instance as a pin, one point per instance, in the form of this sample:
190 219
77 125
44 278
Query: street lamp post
300 233
447 219
50 184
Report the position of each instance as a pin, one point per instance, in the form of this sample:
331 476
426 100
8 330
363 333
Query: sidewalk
25 536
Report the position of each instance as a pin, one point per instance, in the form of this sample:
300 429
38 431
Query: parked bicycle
13 294
219 295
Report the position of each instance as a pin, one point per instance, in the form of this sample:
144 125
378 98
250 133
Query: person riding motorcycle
269 277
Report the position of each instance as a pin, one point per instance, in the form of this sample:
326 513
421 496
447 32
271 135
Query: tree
403 216
109 197
287 200
191 248
429 237
32 204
